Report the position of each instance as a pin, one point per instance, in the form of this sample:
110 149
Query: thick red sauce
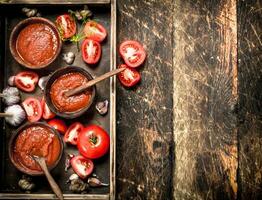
38 141
37 44
65 83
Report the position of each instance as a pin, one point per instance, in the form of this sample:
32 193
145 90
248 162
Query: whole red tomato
93 142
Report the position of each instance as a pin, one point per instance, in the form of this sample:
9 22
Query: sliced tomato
33 109
95 31
47 113
91 51
66 26
26 81
129 77
93 142
132 52
82 166
59 125
72 132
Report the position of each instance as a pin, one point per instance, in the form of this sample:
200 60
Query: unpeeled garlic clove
95 182
102 107
42 82
69 58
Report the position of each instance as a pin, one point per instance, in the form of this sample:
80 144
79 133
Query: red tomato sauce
37 44
65 83
38 141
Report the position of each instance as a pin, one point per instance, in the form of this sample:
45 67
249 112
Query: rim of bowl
11 148
17 29
59 72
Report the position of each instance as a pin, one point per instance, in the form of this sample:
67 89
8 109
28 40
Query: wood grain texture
250 104
144 113
205 97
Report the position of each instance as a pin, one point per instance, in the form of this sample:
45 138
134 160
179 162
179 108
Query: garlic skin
11 96
69 58
18 115
31 12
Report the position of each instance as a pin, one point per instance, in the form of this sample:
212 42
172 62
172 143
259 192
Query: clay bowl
14 35
18 165
51 80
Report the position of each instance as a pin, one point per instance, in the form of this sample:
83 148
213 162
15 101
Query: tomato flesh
47 113
82 166
132 52
26 81
91 51
93 142
59 125
129 77
66 26
33 109
95 31
71 135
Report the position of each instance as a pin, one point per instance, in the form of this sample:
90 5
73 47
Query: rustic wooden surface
192 128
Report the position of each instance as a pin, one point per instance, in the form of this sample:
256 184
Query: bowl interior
51 80
19 27
12 142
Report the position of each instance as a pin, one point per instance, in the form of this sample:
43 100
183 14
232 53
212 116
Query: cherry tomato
93 142
95 31
59 125
66 26
72 133
129 77
91 51
47 113
33 109
26 81
82 166
132 52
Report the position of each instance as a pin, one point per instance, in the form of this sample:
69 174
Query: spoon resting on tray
53 184
93 82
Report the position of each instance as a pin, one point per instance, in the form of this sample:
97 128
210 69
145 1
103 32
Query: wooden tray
105 12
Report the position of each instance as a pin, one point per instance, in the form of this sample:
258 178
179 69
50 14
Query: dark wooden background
193 128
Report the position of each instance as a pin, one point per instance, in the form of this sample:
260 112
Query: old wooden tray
105 12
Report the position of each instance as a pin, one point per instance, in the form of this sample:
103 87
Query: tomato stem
93 139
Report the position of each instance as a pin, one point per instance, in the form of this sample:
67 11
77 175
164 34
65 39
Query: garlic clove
95 182
102 107
42 82
11 81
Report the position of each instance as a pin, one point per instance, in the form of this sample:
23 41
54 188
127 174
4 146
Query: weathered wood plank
144 113
205 97
250 106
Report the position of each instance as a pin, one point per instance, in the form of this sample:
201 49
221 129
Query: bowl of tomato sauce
63 80
35 139
35 42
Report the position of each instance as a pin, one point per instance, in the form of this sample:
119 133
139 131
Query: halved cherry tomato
95 31
59 125
33 109
66 26
72 133
26 81
93 142
47 113
91 51
132 52
129 77
82 166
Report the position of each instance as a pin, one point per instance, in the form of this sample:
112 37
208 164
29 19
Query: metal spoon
53 184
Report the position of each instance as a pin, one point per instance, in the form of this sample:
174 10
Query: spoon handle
93 82
53 184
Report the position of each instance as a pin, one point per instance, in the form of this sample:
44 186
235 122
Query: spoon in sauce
53 184
93 82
